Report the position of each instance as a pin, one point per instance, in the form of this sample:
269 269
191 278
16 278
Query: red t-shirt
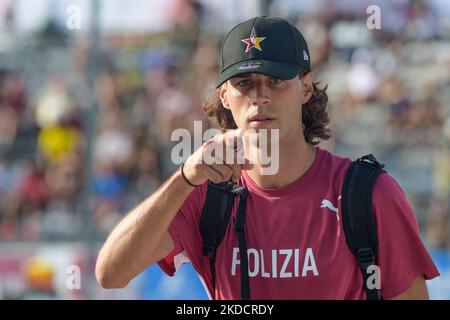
296 243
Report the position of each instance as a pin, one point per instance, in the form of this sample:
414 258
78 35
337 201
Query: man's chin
261 129
266 136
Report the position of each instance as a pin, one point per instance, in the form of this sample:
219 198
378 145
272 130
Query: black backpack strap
214 221
358 220
239 228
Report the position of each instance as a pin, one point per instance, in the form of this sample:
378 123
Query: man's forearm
131 246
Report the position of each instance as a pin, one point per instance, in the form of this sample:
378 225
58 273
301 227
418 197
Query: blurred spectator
109 188
33 191
422 22
13 95
12 107
31 198
113 155
8 127
147 171
114 144
438 224
185 15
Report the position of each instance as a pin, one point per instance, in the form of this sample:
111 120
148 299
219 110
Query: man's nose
260 95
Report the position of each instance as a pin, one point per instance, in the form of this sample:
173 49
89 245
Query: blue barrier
439 288
156 285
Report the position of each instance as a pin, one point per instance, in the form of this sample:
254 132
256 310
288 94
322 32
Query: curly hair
314 115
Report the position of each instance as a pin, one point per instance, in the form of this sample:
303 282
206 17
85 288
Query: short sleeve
402 255
185 233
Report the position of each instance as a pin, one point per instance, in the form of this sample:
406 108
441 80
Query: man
296 245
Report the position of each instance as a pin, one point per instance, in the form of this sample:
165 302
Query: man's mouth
260 120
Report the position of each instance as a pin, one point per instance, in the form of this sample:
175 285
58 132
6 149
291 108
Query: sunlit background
87 108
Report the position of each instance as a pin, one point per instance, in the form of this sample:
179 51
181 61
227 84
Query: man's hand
208 163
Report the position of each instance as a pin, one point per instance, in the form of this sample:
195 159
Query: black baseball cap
266 45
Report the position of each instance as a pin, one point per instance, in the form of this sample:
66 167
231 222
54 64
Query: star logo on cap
253 41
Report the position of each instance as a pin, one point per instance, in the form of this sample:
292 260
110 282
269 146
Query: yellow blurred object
56 142
39 274
441 187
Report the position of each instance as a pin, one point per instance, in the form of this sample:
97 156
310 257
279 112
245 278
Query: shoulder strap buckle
370 161
209 246
365 257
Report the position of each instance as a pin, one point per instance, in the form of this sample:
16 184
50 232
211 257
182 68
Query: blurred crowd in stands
389 94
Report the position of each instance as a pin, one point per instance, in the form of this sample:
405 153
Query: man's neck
296 156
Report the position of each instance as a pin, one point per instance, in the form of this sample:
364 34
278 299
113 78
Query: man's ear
224 96
307 85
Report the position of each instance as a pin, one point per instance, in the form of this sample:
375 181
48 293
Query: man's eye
276 80
244 83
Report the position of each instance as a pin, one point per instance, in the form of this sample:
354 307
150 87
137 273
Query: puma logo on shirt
282 263
327 204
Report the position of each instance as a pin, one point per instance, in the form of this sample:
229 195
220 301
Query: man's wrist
183 175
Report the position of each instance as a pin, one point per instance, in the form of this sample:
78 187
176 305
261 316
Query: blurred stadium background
86 116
